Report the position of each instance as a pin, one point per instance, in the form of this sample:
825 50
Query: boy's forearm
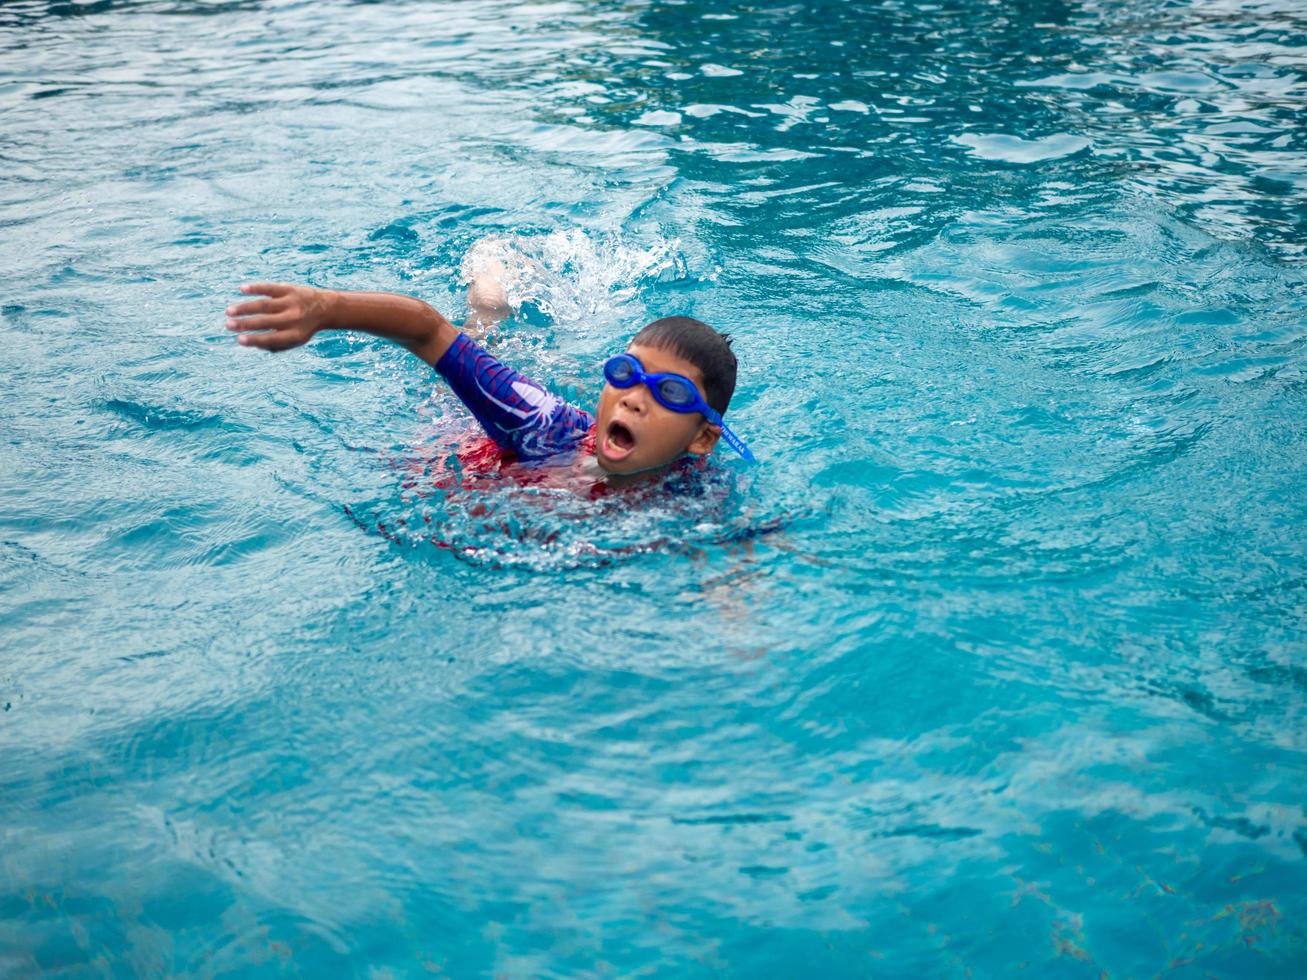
403 319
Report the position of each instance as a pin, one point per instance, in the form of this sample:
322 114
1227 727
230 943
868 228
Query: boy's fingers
278 340
271 321
254 306
267 288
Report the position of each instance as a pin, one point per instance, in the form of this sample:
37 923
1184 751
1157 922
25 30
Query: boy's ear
704 440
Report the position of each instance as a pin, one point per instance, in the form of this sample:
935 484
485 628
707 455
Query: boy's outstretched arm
289 315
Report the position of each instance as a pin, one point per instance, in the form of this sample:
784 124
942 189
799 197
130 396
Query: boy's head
634 431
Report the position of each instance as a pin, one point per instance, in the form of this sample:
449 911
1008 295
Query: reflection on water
996 664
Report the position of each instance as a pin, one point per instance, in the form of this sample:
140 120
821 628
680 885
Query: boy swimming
663 399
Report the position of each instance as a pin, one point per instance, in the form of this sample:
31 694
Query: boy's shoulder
517 412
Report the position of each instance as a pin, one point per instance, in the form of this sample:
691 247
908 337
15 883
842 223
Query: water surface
997 663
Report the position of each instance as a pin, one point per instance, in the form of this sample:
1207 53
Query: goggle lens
676 394
620 372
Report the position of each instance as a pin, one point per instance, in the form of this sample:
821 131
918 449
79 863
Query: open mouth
618 440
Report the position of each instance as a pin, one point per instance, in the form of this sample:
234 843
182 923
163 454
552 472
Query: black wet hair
702 346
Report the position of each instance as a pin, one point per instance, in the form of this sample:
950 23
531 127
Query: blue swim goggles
674 392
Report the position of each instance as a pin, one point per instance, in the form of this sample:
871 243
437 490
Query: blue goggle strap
714 418
733 440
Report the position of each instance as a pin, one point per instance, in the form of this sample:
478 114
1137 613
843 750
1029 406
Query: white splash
570 276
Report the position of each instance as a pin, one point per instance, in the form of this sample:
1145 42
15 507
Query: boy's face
633 432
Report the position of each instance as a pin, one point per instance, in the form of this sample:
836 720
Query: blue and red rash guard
521 417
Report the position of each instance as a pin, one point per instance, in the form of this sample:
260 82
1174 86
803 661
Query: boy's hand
289 316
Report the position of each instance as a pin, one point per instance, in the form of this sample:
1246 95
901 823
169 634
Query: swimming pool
997 661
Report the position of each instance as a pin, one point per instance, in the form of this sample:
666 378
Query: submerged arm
486 301
290 315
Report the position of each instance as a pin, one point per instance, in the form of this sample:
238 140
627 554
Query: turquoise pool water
996 665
